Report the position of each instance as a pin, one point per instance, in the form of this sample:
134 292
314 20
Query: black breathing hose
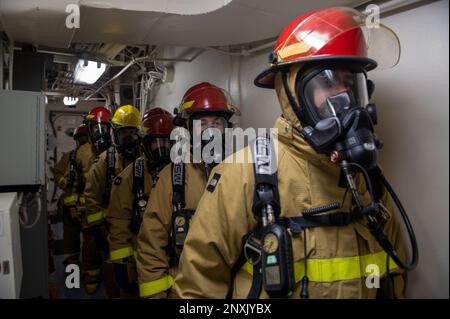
409 228
380 235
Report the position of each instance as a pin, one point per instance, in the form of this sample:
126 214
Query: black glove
100 239
122 278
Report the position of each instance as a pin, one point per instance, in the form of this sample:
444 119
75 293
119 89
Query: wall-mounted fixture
70 101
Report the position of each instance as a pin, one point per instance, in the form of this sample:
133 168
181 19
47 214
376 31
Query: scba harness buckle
252 250
181 220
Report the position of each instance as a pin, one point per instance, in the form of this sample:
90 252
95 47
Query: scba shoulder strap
140 199
178 180
273 268
72 168
265 171
266 196
181 217
110 172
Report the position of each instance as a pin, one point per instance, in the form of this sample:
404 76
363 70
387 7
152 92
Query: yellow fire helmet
126 116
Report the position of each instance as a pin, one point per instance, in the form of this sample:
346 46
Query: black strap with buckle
178 181
140 198
110 173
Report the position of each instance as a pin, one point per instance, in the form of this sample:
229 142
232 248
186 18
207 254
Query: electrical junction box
11 270
22 140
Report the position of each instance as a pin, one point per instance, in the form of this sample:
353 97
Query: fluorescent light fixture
88 72
70 100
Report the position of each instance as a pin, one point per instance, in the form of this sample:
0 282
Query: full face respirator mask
128 143
100 135
157 150
208 140
336 116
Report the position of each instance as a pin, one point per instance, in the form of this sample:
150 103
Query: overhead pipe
131 63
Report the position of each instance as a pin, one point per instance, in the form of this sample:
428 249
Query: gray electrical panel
22 139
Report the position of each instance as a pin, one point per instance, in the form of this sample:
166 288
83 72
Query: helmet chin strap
294 105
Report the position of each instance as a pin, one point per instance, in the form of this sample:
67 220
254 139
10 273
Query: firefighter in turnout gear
129 196
174 199
285 225
70 175
125 125
73 180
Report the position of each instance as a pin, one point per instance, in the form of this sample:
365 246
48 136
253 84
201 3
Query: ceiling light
70 100
88 72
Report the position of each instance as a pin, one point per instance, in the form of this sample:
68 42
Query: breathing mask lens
157 150
128 142
208 138
333 93
213 146
100 135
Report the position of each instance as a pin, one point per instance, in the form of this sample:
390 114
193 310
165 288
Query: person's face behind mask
157 150
206 129
333 92
128 142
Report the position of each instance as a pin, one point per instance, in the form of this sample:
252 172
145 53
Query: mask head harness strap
299 112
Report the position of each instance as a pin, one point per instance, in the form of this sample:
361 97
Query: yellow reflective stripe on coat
96 217
92 272
121 253
73 199
66 256
156 286
336 269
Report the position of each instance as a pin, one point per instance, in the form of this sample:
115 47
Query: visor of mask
332 92
98 128
156 143
126 134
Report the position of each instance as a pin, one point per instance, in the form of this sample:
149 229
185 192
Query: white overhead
197 23
190 7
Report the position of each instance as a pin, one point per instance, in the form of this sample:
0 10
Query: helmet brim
266 79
